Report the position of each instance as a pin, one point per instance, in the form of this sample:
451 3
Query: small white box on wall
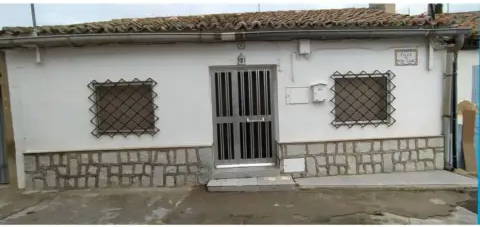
319 92
297 95
292 165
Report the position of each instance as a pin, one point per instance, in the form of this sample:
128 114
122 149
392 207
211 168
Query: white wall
467 59
50 100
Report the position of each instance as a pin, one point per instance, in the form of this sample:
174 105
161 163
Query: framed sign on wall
405 57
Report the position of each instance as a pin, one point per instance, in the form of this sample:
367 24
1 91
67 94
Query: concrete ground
196 206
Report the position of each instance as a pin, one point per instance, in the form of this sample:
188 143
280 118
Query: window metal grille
123 107
363 99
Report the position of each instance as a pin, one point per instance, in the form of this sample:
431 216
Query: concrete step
437 179
246 172
276 183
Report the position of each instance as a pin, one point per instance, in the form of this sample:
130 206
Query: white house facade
173 114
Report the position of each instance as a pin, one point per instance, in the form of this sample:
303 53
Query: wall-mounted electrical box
297 95
319 92
304 47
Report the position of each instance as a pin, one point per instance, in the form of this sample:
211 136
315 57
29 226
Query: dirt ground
196 206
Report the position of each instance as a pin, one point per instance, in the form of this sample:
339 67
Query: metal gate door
243 119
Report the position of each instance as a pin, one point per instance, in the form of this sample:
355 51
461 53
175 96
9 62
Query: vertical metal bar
235 119
267 139
227 95
229 141
220 94
259 128
250 96
244 113
222 143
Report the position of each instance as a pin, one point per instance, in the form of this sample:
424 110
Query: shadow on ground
196 206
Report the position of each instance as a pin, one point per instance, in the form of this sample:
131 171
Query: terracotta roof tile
462 20
359 18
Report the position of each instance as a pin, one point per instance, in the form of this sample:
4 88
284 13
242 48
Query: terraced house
172 101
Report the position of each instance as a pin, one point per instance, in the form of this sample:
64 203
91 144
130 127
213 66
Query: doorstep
275 183
438 179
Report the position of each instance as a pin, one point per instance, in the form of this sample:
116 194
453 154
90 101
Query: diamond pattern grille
363 99
123 107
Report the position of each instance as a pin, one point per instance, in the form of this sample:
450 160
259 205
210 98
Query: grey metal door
243 115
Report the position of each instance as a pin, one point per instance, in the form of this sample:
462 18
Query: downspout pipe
459 42
167 37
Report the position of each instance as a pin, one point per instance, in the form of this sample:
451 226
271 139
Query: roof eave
169 37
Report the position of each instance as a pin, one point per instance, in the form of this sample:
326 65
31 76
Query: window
123 107
363 99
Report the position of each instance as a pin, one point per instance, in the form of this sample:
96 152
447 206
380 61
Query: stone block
103 177
157 176
341 170
405 156
387 163
124 156
340 148
191 179
352 164
182 169
368 169
181 157
84 158
397 156
321 160
340 159
72 182
331 160
192 155
296 149
403 144
311 166
316 148
144 156
136 182
148 169
420 166
366 158
322 171
377 168
193 169
56 159
126 181
361 170
205 155
412 144
114 181
114 169
127 169
410 166
435 142
73 167
30 163
51 178
349 147
138 169
83 170
95 158
171 169
91 182
332 170
170 181
429 165
377 158
439 160
109 157
62 170
421 143
377 146
81 182
133 156
44 160
399 167
425 154
61 182
146 181
331 148
180 180
390 145
38 184
171 157
362 147
413 155
92 170
161 157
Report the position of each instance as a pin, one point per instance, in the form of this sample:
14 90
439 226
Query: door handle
261 119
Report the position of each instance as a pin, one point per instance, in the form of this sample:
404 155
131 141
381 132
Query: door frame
274 114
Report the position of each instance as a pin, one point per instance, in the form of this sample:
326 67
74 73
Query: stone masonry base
138 168
366 156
